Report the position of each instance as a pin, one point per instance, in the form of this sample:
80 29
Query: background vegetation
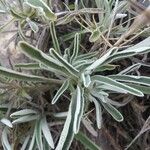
82 80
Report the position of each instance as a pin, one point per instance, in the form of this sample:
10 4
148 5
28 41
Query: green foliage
77 75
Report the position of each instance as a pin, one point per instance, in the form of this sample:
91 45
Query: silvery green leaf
86 79
87 56
98 111
113 112
127 53
144 80
98 62
23 113
28 65
26 141
118 104
38 134
130 69
79 109
82 64
27 9
46 132
16 15
143 89
111 88
32 143
54 38
34 27
114 83
98 95
26 118
67 133
62 89
60 115
105 67
23 77
6 122
20 31
88 125
71 70
43 7
95 35
39 56
2 11
5 141
118 16
76 47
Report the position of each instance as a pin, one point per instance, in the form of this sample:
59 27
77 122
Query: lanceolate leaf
33 25
46 132
113 111
11 74
26 141
33 140
98 111
41 6
76 47
62 89
23 112
54 38
127 53
4 139
68 66
86 79
113 83
79 109
39 56
98 62
132 79
6 122
28 66
26 118
143 89
38 134
72 122
67 133
95 35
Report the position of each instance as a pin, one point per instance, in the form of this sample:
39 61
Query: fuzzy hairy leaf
39 56
54 38
98 111
72 122
98 62
26 118
6 122
23 113
79 109
38 134
4 139
71 70
43 8
113 112
114 83
132 79
11 74
62 89
46 132
76 47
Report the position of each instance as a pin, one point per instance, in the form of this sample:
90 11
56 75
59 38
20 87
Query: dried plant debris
75 74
